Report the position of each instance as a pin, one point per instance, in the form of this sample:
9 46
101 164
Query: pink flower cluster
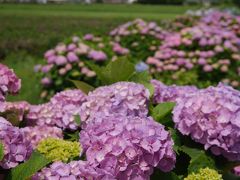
123 98
222 20
9 82
129 144
209 47
211 117
128 147
19 109
164 93
73 171
138 26
37 133
16 147
205 48
60 111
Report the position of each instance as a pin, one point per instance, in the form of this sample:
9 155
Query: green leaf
1 151
86 88
199 159
157 175
162 110
115 71
23 171
77 119
176 138
143 78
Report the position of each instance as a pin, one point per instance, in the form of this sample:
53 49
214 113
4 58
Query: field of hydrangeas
147 101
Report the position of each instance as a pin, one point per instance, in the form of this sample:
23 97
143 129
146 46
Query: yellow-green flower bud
59 149
205 174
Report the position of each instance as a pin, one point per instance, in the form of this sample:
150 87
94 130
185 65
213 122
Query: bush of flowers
130 127
139 37
69 61
201 55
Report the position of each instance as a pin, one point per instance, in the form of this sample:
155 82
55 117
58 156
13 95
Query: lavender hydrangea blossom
16 147
125 98
128 147
164 93
37 133
18 108
211 117
60 111
73 171
9 82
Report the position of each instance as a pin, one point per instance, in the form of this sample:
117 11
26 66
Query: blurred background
28 28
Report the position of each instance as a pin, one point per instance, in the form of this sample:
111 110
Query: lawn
27 31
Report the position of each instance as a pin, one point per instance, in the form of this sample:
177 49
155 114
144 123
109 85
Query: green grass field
27 31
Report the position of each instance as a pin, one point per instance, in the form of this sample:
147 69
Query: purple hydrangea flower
97 55
125 98
128 147
88 37
117 48
20 109
211 117
72 57
141 66
60 111
73 171
164 93
16 147
37 133
9 82
46 81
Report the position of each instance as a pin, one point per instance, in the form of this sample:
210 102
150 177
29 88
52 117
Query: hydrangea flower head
9 82
128 147
124 98
204 174
59 149
60 111
73 171
211 117
14 111
164 93
38 133
16 147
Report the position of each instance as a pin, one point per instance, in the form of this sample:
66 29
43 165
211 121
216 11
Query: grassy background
27 31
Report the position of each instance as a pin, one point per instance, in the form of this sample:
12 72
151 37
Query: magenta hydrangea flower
124 98
128 147
60 111
9 82
73 171
211 117
37 133
18 108
164 93
97 55
16 147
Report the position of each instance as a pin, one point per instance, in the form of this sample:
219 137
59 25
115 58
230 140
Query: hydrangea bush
201 55
139 37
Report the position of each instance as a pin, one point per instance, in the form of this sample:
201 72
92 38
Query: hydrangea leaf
143 78
115 71
24 171
86 88
1 151
199 159
164 176
77 119
176 138
162 110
